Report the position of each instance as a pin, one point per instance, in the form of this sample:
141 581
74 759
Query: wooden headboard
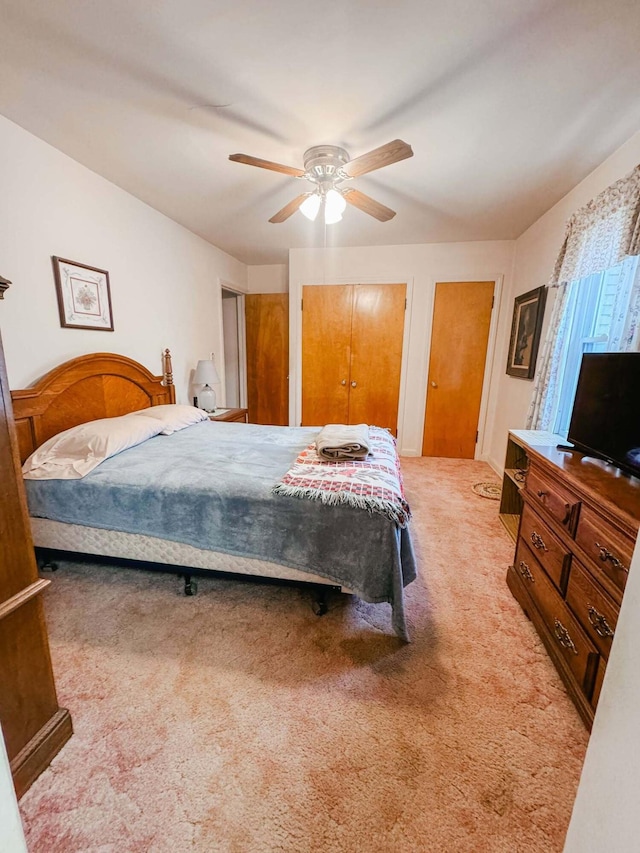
100 385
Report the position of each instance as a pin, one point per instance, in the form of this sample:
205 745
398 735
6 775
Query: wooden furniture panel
100 385
551 553
267 336
580 654
578 651
239 415
558 502
587 517
326 353
377 331
597 687
34 727
609 548
459 339
597 613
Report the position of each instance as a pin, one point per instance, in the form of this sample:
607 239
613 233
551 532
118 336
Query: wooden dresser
34 727
576 537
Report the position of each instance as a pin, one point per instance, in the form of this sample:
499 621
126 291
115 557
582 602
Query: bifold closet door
352 353
267 335
326 353
377 329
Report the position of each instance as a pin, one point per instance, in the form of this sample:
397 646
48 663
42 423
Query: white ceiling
507 105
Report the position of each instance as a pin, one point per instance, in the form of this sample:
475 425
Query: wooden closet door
377 331
459 338
326 353
267 335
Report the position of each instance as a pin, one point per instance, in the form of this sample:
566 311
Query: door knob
434 384
353 384
344 382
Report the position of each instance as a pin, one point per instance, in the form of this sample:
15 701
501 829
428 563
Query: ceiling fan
328 166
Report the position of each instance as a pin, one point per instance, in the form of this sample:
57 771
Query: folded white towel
336 442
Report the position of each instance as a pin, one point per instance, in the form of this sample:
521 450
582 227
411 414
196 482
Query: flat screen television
605 421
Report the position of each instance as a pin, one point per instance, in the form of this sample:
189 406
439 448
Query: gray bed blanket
209 486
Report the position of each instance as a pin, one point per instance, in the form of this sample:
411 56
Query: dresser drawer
609 548
551 553
569 638
562 504
535 579
594 609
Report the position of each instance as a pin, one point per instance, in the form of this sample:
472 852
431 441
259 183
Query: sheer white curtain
598 237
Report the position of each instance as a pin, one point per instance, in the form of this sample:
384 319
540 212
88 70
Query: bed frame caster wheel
190 586
320 606
46 565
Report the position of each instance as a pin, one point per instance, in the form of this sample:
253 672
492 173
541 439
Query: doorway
459 340
233 344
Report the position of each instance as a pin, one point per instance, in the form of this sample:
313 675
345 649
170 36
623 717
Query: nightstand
241 415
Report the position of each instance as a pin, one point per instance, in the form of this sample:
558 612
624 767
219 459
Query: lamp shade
334 205
310 206
206 373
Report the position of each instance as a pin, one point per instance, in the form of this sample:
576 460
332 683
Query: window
598 306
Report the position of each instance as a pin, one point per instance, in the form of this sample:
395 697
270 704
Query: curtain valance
602 233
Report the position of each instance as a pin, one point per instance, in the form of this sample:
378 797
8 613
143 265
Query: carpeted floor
238 721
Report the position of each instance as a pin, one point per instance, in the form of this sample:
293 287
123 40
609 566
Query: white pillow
72 454
174 416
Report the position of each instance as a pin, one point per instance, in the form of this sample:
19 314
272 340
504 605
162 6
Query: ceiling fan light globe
310 206
334 205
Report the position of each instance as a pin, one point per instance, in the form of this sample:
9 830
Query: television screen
606 413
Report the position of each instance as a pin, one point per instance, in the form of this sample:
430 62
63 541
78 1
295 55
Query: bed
230 521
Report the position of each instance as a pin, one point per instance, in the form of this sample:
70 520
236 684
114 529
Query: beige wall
535 256
165 281
269 278
420 267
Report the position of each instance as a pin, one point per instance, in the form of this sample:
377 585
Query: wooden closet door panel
376 354
460 334
326 353
267 335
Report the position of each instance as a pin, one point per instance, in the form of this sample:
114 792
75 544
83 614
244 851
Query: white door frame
242 343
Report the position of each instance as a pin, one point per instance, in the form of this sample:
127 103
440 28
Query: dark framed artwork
84 296
528 312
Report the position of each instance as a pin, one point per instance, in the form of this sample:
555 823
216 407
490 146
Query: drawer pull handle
525 571
563 637
605 555
538 541
541 493
600 624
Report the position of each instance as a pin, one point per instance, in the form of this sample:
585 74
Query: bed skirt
60 536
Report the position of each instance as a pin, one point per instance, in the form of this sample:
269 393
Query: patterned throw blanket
374 483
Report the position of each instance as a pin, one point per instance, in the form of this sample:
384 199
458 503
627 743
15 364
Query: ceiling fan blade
289 209
266 164
387 154
368 205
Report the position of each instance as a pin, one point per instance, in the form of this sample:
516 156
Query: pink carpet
238 721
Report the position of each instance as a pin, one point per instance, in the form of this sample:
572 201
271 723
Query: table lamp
206 375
